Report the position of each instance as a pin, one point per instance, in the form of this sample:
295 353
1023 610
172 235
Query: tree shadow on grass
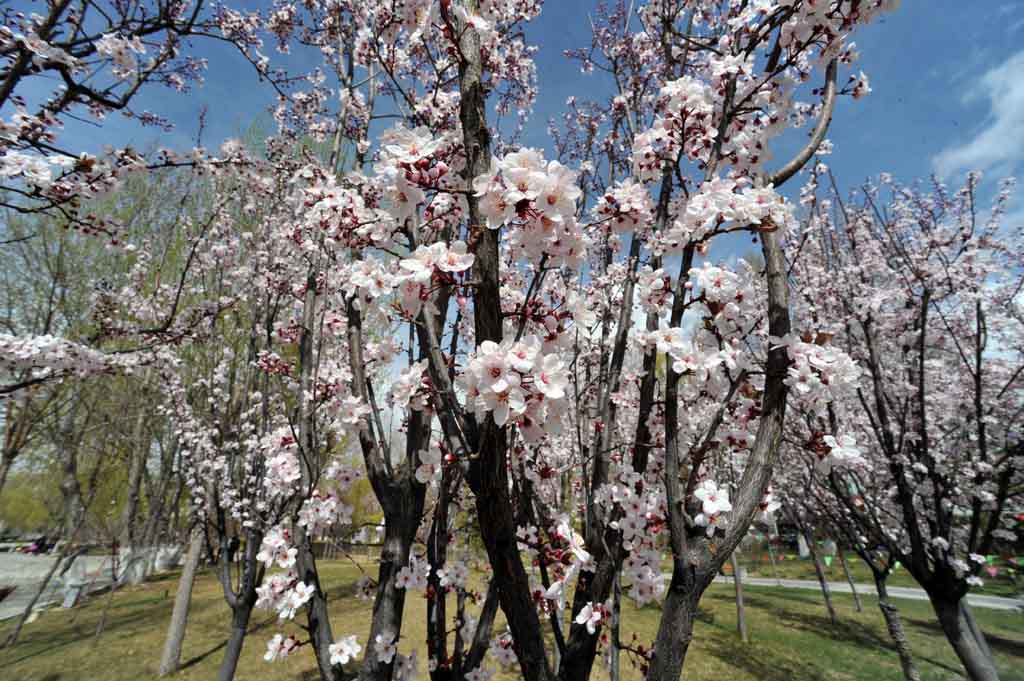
845 629
999 644
760 663
253 628
56 639
819 624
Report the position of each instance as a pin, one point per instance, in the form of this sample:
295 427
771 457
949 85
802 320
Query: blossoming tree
552 338
923 290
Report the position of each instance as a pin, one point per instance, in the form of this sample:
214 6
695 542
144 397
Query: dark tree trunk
676 628
389 604
318 622
233 651
957 627
895 626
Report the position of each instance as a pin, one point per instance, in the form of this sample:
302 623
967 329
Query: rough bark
895 627
182 601
389 604
233 649
241 601
956 626
676 628
489 476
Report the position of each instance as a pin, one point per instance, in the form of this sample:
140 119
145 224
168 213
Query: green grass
791 637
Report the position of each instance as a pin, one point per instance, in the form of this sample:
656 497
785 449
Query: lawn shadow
57 639
220 646
760 663
818 623
1000 644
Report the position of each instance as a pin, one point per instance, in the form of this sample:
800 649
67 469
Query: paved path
26 574
910 593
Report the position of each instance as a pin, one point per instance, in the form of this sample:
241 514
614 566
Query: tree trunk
675 631
389 604
826 592
849 580
318 622
16 431
613 652
956 626
775 569
741 610
135 468
179 617
233 650
895 626
968 615
5 465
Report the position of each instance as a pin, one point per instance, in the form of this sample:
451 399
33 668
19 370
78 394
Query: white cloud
1000 141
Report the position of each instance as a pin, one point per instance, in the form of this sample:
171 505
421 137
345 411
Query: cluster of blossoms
730 201
593 615
643 568
454 574
842 451
411 390
517 383
44 356
819 373
538 200
413 576
122 52
344 650
636 504
428 266
636 509
653 288
284 593
502 651
282 468
626 207
687 357
277 548
321 511
409 162
714 506
686 126
431 460
280 647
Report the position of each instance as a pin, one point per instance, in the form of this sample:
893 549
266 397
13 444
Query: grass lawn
791 637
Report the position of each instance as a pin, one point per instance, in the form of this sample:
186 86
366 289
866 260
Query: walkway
26 574
909 593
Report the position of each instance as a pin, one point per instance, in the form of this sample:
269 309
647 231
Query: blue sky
947 79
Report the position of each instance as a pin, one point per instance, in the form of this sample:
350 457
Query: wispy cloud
1000 140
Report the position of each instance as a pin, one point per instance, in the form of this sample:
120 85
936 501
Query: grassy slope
791 638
